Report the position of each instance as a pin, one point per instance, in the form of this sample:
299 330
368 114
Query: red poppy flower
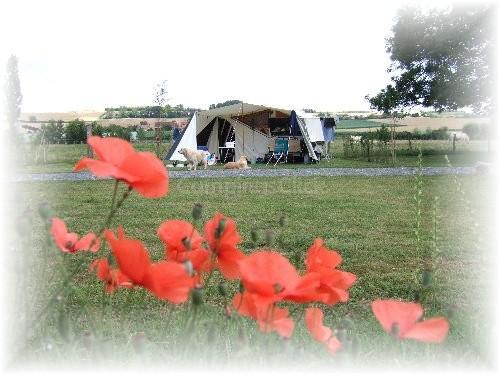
169 281
131 256
183 242
333 283
319 258
402 319
69 242
269 274
142 171
269 317
223 245
314 323
113 278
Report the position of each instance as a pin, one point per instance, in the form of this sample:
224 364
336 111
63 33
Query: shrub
76 132
474 131
53 132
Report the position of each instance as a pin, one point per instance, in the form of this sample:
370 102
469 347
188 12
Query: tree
160 94
224 104
76 132
13 96
440 59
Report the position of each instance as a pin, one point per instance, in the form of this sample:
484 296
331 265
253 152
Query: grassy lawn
369 220
62 158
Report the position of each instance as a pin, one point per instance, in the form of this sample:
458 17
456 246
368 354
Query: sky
86 55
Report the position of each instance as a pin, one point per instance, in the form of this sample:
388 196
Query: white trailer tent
250 126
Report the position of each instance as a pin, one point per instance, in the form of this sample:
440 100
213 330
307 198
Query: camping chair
280 151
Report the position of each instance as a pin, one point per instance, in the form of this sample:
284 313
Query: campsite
250 187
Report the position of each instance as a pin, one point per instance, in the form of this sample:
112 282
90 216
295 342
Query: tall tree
13 96
440 59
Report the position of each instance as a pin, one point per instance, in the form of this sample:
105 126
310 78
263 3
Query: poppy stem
71 275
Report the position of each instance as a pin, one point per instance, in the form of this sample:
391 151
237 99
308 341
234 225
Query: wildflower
402 320
142 171
270 275
113 278
169 281
314 323
69 242
131 256
222 238
269 317
333 283
182 243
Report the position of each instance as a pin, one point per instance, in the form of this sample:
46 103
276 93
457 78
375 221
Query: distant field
422 123
359 124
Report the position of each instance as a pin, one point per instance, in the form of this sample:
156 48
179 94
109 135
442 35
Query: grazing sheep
461 136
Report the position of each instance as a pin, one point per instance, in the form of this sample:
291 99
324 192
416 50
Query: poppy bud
342 335
197 296
220 228
44 211
197 211
227 311
254 235
282 221
186 241
426 278
269 237
222 289
395 329
189 267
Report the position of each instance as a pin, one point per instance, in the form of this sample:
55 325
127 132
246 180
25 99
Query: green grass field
369 220
360 124
62 158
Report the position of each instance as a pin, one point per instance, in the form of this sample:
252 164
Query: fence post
158 140
90 153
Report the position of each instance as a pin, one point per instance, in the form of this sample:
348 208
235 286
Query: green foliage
76 132
441 59
53 132
148 112
224 104
383 134
477 131
13 96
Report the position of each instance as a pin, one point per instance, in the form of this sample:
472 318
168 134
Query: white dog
194 158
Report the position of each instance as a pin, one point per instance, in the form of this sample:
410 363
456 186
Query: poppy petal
314 323
333 345
390 312
131 256
111 149
431 330
169 281
87 240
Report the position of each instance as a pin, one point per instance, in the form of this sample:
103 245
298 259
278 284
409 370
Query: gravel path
281 172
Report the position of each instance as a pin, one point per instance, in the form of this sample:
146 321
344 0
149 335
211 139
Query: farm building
255 131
